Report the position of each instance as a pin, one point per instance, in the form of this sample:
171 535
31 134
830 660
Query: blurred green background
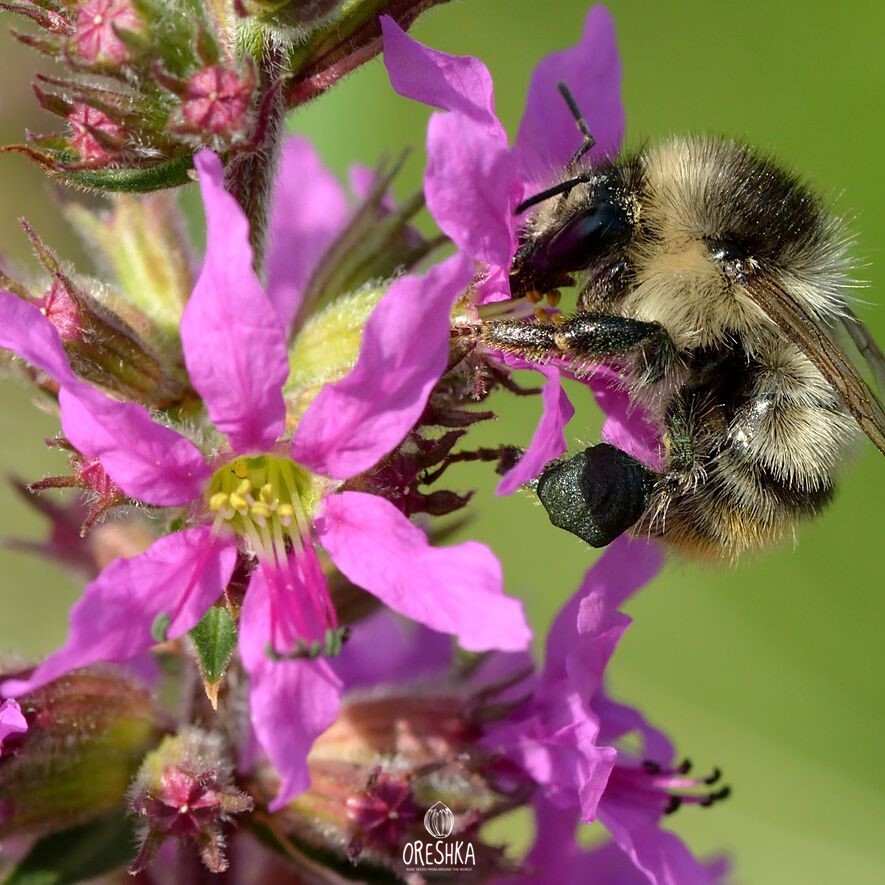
774 669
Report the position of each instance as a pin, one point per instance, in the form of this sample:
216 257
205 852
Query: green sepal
78 854
160 627
214 639
168 173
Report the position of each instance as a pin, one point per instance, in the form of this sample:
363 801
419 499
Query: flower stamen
262 499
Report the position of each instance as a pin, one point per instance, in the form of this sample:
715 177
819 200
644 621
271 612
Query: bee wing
807 333
866 346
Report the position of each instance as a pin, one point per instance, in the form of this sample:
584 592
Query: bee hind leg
597 494
601 492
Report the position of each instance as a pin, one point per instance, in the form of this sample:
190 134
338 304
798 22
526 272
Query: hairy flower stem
249 176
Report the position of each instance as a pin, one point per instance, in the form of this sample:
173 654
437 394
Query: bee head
584 224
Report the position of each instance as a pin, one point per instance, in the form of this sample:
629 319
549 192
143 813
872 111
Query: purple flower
557 856
12 722
554 737
261 493
571 738
474 180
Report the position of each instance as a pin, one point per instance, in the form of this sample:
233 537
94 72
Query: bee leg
679 437
586 337
597 494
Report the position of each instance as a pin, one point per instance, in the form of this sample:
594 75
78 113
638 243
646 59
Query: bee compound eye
589 233
597 494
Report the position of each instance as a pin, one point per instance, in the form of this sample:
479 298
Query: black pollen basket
597 494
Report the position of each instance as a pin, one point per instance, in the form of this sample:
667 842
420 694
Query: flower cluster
262 438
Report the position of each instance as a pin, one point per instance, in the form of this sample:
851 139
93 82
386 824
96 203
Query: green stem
250 175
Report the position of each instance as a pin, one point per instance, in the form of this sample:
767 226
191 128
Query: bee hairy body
680 250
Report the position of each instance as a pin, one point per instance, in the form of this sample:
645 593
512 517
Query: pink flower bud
383 813
185 791
61 310
216 100
85 122
95 31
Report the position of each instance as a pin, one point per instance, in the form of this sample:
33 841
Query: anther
673 804
712 778
260 510
240 504
554 297
685 766
218 501
718 796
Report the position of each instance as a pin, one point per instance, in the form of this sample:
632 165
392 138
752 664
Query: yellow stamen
240 504
219 501
266 500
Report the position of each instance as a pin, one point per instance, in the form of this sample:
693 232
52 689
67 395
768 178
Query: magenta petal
309 210
472 187
291 702
457 590
458 83
548 136
626 565
555 849
234 342
626 426
146 460
28 334
385 648
659 854
11 721
548 441
351 425
178 577
617 720
149 462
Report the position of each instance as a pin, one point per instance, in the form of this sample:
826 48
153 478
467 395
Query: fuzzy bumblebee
717 282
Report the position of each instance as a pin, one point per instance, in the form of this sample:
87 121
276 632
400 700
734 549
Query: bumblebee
716 281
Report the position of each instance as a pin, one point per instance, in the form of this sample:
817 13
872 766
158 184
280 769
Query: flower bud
86 734
383 766
184 790
142 242
137 91
325 38
97 26
108 340
12 724
216 102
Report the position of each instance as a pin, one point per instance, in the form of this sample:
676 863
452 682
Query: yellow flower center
264 499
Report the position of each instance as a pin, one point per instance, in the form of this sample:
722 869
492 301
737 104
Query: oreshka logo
443 856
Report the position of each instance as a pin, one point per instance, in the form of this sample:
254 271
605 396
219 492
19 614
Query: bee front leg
587 338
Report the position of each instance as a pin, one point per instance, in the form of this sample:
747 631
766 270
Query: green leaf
167 173
79 853
215 639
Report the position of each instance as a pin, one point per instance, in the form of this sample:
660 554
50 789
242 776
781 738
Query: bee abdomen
770 438
739 508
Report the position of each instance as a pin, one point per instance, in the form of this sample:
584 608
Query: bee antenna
588 142
562 188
